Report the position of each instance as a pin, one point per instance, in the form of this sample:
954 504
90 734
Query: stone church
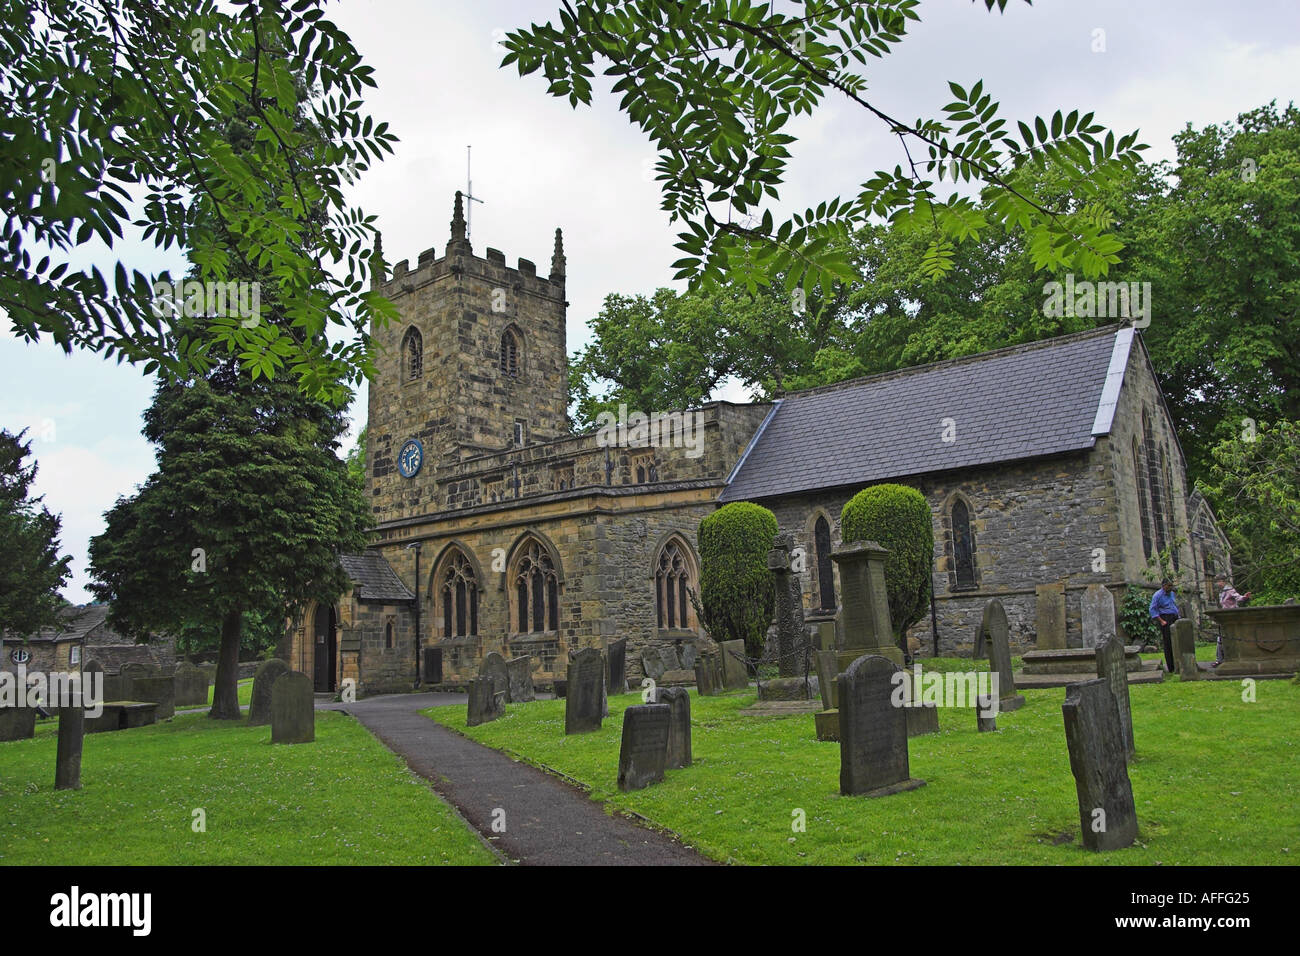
1048 467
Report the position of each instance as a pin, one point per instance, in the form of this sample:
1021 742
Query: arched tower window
458 594
412 355
825 568
535 582
510 353
674 583
963 545
1144 512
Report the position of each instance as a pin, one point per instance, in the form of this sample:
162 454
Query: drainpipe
934 621
416 546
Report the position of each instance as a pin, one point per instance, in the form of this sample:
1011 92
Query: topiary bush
737 591
897 518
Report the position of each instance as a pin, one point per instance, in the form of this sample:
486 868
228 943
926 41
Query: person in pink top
1229 597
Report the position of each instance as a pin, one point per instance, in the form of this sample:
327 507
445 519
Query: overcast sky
539 164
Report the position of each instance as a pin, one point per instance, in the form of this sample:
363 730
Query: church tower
476 364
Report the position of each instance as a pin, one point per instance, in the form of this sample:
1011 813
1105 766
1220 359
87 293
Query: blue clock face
410 458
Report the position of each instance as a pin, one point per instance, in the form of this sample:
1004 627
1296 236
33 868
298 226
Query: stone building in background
498 530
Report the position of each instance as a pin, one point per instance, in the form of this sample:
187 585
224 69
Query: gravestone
652 664
560 686
873 732
72 735
494 666
116 687
1112 668
484 703
156 690
864 615
191 685
17 723
789 650
644 749
922 718
734 674
1098 607
679 726
135 669
616 660
689 654
997 638
1183 637
704 676
519 676
668 655
264 678
825 661
293 709
586 692
986 719
1107 815
1050 616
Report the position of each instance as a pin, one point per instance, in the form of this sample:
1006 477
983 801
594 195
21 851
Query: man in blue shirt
1164 612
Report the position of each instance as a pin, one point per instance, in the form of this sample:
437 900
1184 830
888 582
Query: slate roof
375 578
1022 402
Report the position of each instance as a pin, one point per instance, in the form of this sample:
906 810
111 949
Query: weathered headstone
864 617
616 661
560 686
997 639
494 666
1112 668
117 686
704 676
734 674
1107 815
136 669
679 726
72 734
293 709
519 675
484 703
156 690
17 723
668 655
586 692
1183 637
1098 610
986 714
826 675
264 678
652 664
1050 616
789 650
873 732
191 685
688 655
644 749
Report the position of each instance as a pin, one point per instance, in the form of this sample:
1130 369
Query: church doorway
325 646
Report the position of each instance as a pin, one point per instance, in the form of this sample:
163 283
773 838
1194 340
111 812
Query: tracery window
674 582
536 584
458 592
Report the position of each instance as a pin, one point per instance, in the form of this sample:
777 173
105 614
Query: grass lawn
343 799
244 691
1216 781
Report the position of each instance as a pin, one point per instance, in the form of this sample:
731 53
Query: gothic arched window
1143 511
825 568
1154 485
674 582
510 353
536 583
1168 479
458 593
388 634
412 355
963 545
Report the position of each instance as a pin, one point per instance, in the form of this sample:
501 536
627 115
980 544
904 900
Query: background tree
1254 488
897 518
737 591
357 459
31 571
113 101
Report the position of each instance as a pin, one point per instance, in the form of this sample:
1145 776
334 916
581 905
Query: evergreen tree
31 571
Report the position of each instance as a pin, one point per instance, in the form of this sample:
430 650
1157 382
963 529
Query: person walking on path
1164 611
1229 597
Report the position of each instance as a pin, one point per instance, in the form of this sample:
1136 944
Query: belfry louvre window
536 583
459 597
412 355
510 353
674 583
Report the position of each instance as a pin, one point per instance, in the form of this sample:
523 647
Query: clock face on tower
410 458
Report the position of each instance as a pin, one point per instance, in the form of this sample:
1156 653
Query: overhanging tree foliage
897 518
714 83
114 101
737 591
31 571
